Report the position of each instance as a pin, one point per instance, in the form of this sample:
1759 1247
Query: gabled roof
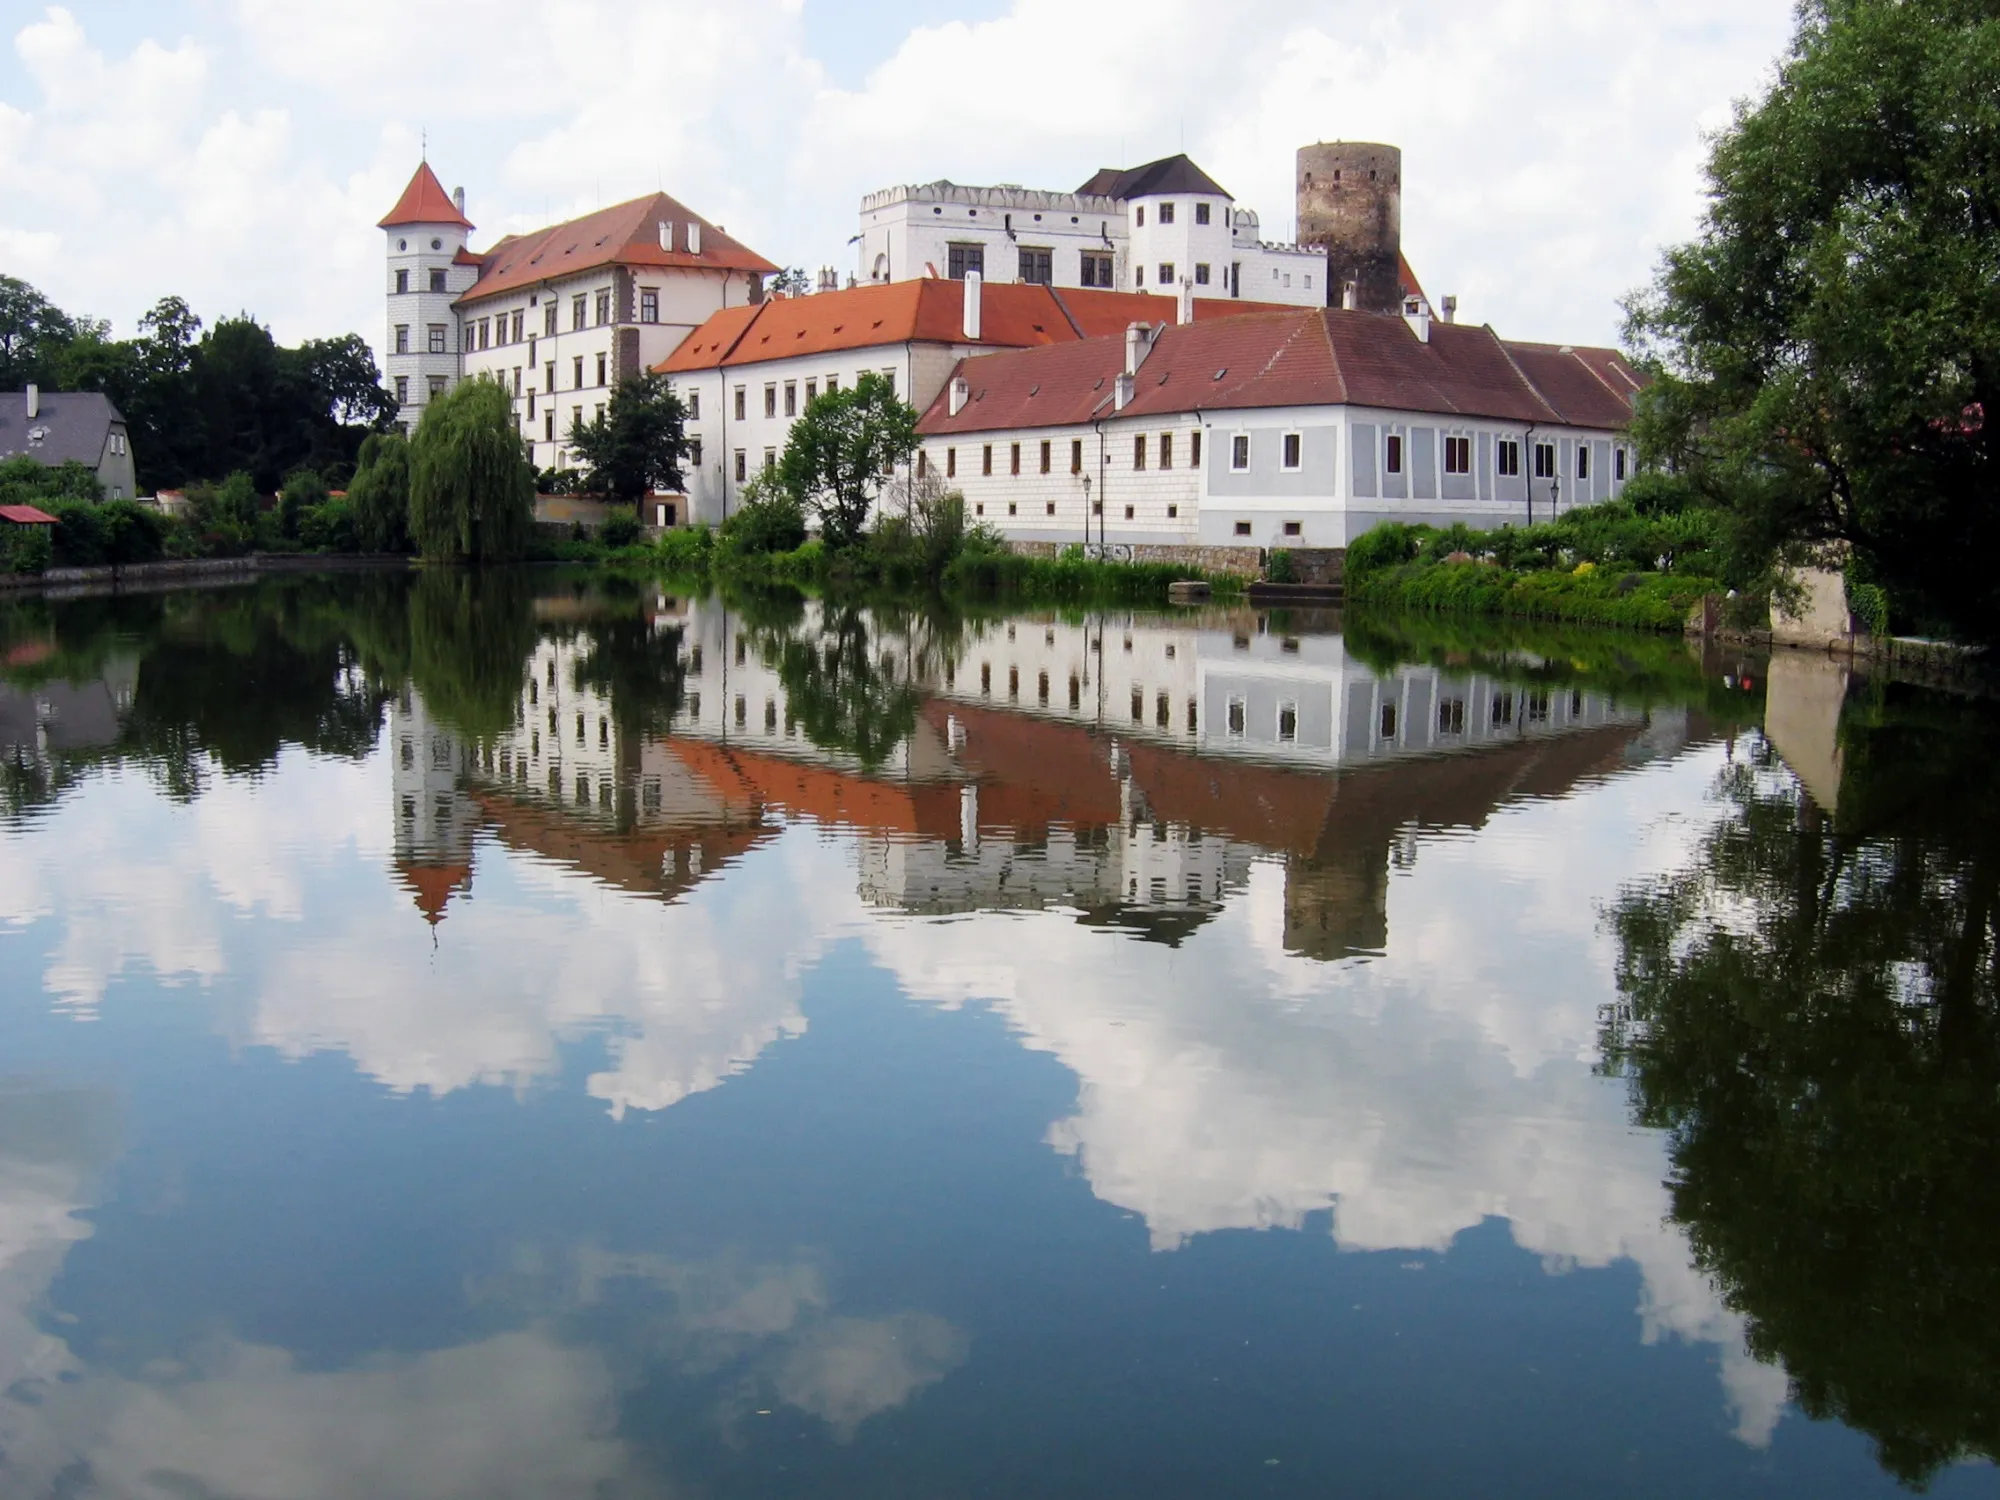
1170 174
424 201
1300 357
1012 315
67 425
1589 387
625 234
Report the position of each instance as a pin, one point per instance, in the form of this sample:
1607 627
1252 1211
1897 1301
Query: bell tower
428 267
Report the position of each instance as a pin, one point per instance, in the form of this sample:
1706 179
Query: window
1201 273
951 463
1128 512
923 463
1507 458
402 338
1237 717
1617 463
576 308
1288 721
741 408
1139 217
437 386
517 382
1242 528
1292 450
962 258
832 384
576 373
1292 528
1012 507
1166 450
649 305
1166 213
600 369
1013 458
435 341
575 418
1451 716
603 308
484 325
402 390
519 316
1392 454
1076 455
549 425
791 398
1166 273
1545 460
1239 453
770 458
1037 266
1096 269
694 406
812 392
1051 507
1388 721
1172 512
742 466
531 403
549 319
986 459
1139 451
1458 455
889 378
1047 454
437 279
694 452
402 282
1583 460
1194 449
549 377
1201 213
1503 708
770 400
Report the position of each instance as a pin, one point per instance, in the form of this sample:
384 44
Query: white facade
426 275
1154 243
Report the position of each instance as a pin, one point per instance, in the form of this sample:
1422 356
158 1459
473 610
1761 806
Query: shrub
769 518
620 529
303 491
686 548
26 549
1278 566
330 527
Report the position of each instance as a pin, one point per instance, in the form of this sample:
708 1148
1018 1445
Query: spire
425 201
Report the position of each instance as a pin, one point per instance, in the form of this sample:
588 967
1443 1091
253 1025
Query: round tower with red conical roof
429 266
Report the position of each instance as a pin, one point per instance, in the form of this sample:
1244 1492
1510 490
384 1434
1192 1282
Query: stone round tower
1351 201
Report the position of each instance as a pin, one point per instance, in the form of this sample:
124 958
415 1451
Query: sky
238 153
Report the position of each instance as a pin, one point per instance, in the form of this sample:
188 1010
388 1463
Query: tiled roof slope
1012 315
424 201
1590 387
1305 357
1170 174
625 234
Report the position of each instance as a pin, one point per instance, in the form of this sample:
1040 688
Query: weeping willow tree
472 490
380 493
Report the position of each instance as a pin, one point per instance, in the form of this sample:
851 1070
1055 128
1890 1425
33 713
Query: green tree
304 492
843 450
1829 346
768 517
636 444
33 331
472 489
380 493
1810 1010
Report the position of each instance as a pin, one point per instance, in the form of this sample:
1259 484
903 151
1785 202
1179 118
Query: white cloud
240 155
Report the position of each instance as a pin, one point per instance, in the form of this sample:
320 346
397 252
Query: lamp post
1086 510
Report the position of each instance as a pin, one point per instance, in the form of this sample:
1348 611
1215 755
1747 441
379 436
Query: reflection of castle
435 820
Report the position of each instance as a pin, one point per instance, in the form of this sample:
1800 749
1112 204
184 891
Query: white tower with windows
429 266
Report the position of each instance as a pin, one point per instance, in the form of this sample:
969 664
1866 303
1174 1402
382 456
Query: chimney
1186 308
1138 344
1121 392
458 200
666 234
972 307
960 393
1347 296
1417 313
694 237
34 402
1451 309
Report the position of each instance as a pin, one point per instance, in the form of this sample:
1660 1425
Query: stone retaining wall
1248 562
199 570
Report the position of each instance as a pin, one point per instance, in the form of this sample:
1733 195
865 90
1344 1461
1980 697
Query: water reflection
1312 925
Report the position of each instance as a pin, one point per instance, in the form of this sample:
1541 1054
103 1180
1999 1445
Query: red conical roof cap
425 201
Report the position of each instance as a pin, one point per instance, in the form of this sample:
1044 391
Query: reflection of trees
1809 1009
638 668
842 697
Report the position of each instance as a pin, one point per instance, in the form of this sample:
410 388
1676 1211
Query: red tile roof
26 515
626 234
1589 387
424 201
1301 357
1012 315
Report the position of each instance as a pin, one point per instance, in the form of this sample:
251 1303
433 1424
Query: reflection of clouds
1228 1084
846 1370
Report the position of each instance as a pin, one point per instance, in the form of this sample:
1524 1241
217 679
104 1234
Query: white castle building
558 315
1152 228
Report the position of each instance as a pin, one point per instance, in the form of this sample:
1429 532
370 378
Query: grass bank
1601 566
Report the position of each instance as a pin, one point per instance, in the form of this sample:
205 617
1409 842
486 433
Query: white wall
417 250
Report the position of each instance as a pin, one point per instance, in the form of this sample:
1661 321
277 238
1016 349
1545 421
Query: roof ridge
1515 365
1069 317
1332 354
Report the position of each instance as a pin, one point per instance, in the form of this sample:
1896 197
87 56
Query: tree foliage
472 489
379 493
636 444
1829 347
33 333
843 450
1811 1010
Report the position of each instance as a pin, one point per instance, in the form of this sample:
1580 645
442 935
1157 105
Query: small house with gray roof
59 427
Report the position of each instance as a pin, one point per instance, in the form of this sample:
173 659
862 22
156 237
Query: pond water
521 1037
